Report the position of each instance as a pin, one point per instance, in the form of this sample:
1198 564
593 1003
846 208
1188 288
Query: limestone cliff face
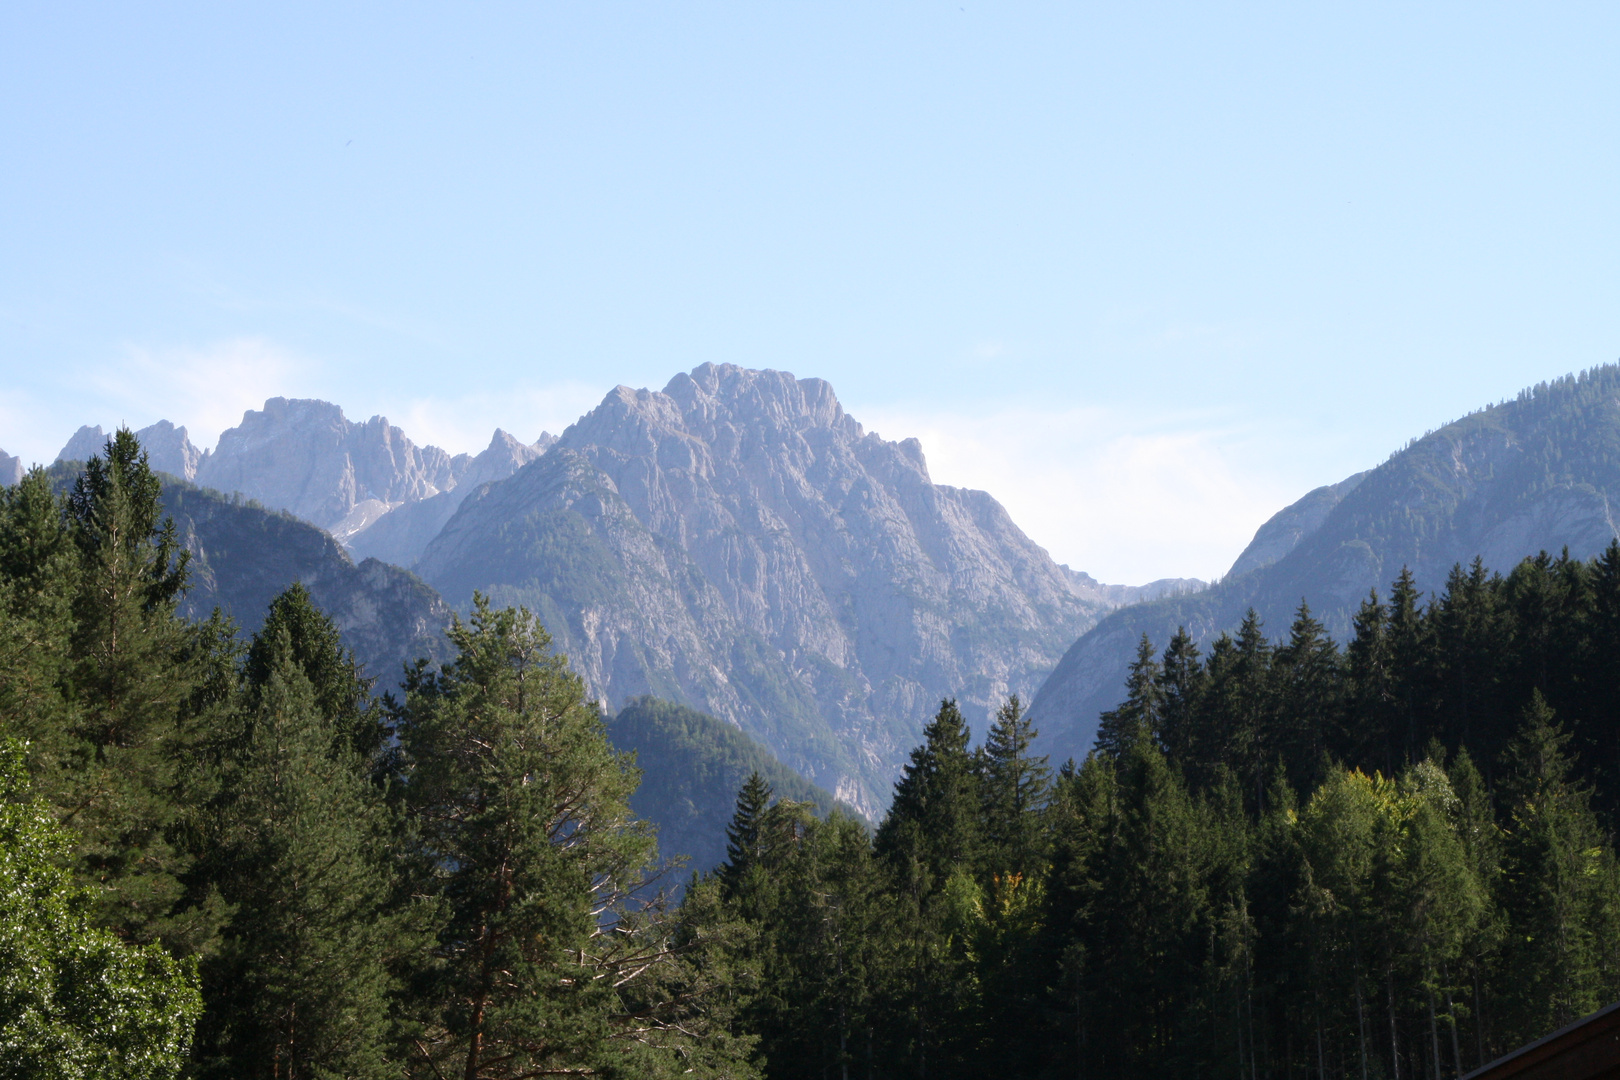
1502 484
11 469
303 456
400 535
739 543
365 483
167 447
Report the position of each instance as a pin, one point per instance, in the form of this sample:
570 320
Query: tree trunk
1394 1041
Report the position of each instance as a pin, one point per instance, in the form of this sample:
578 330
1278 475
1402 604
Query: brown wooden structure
1588 1049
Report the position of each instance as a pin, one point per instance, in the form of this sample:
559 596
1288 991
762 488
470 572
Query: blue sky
1145 272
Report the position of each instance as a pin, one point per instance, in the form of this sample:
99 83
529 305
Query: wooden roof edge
1571 1035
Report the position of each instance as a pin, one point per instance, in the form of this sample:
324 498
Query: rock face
1504 483
167 447
738 543
400 535
11 469
305 457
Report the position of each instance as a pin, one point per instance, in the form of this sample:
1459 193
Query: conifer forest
227 855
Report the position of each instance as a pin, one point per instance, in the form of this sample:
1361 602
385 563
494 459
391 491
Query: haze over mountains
738 544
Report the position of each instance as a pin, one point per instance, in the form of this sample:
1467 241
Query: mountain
1502 483
304 456
738 543
242 556
11 469
167 447
692 767
400 535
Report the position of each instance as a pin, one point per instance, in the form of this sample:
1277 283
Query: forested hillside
1282 859
1501 484
226 857
691 768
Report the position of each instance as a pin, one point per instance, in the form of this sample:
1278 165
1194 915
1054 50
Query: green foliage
526 838
75 1001
691 764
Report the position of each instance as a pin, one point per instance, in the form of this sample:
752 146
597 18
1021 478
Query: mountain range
738 544
1503 483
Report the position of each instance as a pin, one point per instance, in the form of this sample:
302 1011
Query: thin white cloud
1125 503
205 389
466 422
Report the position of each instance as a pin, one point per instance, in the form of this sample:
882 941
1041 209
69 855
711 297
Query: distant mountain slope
1508 481
739 543
366 483
401 535
11 469
692 768
243 555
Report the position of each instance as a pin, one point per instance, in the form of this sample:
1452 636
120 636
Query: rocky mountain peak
738 542
304 456
167 447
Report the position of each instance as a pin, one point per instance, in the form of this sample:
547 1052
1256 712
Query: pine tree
522 810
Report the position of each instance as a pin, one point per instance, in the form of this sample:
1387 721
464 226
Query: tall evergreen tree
1016 784
522 810
135 673
932 836
1309 683
1181 683
1141 711
1557 881
744 843
301 845
295 631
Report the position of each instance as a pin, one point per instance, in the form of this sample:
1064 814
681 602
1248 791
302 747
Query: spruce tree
744 844
1181 683
1016 785
932 837
933 825
296 631
134 670
38 580
1142 709
301 846
1309 681
1557 876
